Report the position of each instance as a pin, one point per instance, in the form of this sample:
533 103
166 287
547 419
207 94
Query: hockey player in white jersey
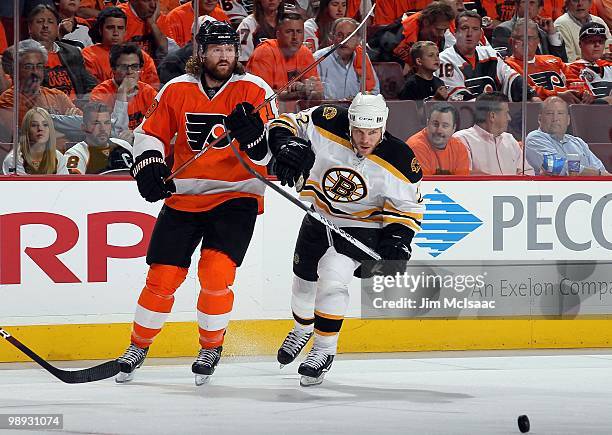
364 180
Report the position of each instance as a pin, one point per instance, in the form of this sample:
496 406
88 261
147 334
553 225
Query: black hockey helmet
216 32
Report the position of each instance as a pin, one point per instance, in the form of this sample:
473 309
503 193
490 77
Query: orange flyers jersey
352 8
179 22
136 30
268 62
182 108
97 62
452 160
548 74
597 76
137 106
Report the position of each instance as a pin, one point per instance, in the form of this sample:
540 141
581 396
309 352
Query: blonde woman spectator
37 152
318 30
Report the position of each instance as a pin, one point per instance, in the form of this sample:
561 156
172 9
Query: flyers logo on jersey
548 80
344 185
204 128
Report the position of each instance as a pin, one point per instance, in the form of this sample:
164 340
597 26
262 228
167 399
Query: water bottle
573 164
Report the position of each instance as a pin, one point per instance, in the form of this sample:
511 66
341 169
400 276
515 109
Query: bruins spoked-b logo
344 185
203 128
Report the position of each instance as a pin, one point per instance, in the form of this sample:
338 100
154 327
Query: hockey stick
329 224
273 96
97 373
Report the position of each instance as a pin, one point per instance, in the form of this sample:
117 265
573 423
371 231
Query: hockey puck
523 423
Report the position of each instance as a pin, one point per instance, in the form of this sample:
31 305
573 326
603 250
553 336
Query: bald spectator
341 71
107 31
437 151
279 60
179 22
491 149
551 139
570 22
65 69
32 58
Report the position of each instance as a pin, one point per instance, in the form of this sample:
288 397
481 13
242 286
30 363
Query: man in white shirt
491 149
99 152
341 72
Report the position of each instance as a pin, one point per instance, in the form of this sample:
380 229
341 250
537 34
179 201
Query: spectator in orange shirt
179 22
32 58
144 27
91 8
107 31
125 93
436 150
548 75
388 11
279 60
65 69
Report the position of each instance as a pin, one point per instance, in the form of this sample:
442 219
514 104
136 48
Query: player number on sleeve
226 5
72 162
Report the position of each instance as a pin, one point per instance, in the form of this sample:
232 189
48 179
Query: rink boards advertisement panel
72 249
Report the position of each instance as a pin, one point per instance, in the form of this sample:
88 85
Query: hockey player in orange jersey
214 201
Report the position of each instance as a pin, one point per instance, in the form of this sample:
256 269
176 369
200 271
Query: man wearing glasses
128 97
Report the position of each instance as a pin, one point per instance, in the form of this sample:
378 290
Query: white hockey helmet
368 111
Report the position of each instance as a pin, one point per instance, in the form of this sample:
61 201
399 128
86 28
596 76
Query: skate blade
309 381
122 377
202 379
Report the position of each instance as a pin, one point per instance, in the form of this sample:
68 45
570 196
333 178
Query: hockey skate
314 367
131 360
292 346
204 365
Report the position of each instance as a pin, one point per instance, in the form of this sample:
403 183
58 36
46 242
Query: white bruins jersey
79 159
465 82
372 191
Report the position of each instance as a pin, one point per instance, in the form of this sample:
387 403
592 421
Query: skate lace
207 356
132 355
295 342
316 359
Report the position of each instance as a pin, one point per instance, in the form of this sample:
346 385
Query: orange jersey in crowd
97 62
53 100
183 108
165 6
57 76
3 41
452 160
352 8
137 31
388 11
95 4
106 92
548 75
268 62
597 76
503 10
179 22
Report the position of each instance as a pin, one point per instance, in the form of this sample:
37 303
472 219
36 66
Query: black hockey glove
248 129
119 158
150 171
294 158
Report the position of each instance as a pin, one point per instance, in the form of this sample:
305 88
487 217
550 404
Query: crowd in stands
88 71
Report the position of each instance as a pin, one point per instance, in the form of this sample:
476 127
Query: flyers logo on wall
204 128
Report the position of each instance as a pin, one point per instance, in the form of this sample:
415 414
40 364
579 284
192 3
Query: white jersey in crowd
245 30
9 163
352 191
465 82
311 34
78 156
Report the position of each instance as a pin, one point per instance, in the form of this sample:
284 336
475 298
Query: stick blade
92 374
